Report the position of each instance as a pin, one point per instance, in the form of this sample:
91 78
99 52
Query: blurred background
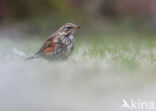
43 16
114 56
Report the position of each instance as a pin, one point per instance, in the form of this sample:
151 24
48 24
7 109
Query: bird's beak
76 27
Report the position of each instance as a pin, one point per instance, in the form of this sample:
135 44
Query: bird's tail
36 55
32 57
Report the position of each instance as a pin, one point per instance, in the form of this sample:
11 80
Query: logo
138 105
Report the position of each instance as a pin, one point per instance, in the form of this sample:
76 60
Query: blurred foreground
98 75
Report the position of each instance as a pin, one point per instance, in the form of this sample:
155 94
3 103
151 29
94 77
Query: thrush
59 45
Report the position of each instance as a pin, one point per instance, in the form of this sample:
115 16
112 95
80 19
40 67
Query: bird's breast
67 40
68 46
62 49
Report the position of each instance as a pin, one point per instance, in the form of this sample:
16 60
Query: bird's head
68 28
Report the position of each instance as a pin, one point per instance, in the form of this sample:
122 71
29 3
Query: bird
59 45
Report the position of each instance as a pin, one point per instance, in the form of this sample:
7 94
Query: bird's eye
69 27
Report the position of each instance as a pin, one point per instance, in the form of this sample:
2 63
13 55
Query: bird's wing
48 46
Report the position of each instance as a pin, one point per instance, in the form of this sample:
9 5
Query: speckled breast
62 49
68 43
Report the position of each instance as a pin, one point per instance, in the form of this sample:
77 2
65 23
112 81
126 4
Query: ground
97 76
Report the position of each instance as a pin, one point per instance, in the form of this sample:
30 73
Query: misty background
114 56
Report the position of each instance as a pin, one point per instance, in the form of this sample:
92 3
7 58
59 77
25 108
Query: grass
102 70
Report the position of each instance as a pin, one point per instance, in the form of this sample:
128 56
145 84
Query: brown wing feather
49 45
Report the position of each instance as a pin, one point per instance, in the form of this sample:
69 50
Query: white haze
82 83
